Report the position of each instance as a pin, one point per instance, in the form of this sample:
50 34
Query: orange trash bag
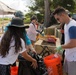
14 70
53 65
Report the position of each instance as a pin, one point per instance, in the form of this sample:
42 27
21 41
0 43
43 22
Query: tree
47 13
40 6
43 6
68 4
37 9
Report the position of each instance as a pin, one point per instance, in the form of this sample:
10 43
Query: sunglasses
57 19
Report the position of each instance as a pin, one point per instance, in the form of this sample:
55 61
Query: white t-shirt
31 32
70 54
11 57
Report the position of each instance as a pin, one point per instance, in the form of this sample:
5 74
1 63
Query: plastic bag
25 67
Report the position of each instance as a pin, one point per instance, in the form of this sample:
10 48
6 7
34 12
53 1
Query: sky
18 4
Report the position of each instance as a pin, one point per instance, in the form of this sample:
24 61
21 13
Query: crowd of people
15 39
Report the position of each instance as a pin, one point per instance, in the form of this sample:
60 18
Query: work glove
59 49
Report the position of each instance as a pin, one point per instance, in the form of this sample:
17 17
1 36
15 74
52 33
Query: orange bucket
53 64
14 70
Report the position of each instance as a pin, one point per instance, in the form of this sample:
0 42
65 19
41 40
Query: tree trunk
47 13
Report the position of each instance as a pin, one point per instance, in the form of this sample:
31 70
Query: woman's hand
34 51
34 64
29 58
32 48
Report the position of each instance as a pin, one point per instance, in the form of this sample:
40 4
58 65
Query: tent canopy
4 9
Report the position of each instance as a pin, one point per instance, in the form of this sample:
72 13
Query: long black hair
15 33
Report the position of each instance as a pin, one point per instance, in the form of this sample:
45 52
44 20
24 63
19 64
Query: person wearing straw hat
12 43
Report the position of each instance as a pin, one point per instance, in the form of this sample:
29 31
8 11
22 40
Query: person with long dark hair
28 41
12 43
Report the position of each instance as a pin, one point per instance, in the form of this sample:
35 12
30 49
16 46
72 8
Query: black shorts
4 69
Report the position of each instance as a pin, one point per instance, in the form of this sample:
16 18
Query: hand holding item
59 48
32 48
37 34
34 51
58 51
34 64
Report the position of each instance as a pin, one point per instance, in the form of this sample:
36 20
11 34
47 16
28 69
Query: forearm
31 47
66 46
33 31
27 57
69 45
